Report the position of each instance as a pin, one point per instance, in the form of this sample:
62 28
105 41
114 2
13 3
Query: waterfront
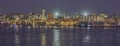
97 36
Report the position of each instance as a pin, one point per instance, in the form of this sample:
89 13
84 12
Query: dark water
59 37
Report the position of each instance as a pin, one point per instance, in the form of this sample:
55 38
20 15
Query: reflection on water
56 37
17 40
18 36
43 41
86 39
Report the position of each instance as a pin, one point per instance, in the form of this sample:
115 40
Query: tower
43 14
43 17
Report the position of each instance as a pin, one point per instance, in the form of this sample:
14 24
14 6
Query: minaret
43 12
43 15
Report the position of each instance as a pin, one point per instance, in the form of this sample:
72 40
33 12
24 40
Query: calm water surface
11 36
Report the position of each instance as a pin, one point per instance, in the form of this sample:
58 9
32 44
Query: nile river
98 36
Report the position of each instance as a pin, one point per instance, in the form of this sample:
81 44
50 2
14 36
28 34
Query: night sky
67 6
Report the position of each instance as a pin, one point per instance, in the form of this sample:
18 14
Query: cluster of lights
57 13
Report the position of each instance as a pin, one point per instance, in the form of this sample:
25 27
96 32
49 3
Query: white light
56 14
17 18
86 39
85 14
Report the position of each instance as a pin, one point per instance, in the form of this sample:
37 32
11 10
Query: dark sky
67 6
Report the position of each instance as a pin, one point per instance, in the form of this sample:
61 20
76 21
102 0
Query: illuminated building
50 16
93 17
103 15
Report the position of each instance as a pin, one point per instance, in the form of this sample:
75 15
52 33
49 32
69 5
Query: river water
11 36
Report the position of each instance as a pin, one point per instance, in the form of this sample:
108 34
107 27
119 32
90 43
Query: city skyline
66 6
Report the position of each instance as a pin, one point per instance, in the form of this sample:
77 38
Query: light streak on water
33 26
11 25
71 38
28 38
86 39
43 43
28 27
56 37
62 38
17 40
88 27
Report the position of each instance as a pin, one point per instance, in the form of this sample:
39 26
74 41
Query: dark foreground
59 37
